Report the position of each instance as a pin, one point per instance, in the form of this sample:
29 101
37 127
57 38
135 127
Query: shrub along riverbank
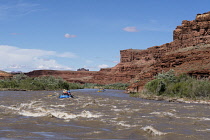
23 82
168 85
117 86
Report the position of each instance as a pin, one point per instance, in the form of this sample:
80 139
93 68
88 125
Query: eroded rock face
189 52
5 75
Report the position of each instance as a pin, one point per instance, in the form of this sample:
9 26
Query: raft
101 90
64 96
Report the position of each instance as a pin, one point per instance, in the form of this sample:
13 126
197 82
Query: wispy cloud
14 58
65 55
130 29
103 66
69 36
115 61
17 8
14 33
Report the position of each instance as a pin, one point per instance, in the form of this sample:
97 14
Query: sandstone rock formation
70 76
189 52
5 75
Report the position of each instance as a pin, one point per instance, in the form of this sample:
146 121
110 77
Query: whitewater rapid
92 115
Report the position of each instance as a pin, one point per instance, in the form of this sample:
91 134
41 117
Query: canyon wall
189 52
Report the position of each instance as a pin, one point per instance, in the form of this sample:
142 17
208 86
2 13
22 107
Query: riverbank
171 87
169 99
12 89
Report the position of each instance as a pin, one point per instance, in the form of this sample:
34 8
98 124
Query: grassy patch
118 86
183 86
24 82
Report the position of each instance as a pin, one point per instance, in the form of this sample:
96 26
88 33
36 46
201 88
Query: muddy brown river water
109 115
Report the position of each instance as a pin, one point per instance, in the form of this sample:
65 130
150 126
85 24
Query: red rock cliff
188 53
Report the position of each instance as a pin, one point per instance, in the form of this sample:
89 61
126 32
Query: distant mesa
4 74
16 72
82 69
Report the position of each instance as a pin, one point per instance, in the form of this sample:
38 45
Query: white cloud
115 61
130 29
14 58
49 64
69 36
103 66
66 55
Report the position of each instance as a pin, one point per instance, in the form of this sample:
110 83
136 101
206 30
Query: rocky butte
189 52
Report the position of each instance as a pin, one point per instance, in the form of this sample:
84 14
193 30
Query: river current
109 115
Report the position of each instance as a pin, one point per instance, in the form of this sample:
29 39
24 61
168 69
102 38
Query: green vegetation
198 47
23 82
183 86
118 86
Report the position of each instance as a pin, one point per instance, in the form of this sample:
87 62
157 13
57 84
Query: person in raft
67 92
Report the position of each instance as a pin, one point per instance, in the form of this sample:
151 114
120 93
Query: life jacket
65 91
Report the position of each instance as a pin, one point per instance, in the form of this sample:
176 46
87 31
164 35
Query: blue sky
72 34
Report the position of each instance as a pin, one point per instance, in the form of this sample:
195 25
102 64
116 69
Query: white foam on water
189 107
205 119
58 105
34 111
27 109
87 104
126 109
117 110
145 103
9 107
162 114
64 115
154 132
169 114
40 111
32 114
88 114
123 123
197 118
145 116
116 122
37 109
114 106
203 130
93 132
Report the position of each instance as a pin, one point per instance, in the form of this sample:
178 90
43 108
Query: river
109 115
